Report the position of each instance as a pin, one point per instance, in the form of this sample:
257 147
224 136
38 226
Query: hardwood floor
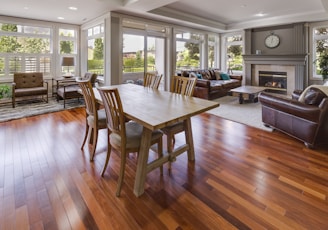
243 178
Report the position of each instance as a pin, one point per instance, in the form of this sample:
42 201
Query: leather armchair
307 122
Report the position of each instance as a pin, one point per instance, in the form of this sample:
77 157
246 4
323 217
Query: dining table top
155 109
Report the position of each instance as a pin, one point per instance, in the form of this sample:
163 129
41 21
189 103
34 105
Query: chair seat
102 122
175 128
133 135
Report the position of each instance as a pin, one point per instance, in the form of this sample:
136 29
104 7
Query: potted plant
323 65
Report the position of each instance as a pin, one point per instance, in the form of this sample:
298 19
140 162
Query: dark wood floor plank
242 178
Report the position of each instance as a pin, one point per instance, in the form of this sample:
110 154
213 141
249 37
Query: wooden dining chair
95 117
152 80
122 135
184 86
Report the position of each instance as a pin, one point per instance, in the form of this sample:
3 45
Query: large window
234 49
211 51
188 50
96 50
24 48
320 48
67 48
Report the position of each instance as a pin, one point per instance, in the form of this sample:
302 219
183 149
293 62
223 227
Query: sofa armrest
293 107
46 83
237 77
203 83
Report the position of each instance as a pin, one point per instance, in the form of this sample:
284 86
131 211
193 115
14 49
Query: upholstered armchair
304 116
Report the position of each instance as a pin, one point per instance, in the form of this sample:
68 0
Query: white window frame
313 39
23 56
226 44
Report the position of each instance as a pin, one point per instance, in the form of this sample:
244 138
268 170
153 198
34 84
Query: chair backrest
183 85
152 80
89 96
91 76
28 80
114 112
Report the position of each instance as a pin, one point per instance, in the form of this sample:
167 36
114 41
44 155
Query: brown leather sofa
306 121
29 85
210 84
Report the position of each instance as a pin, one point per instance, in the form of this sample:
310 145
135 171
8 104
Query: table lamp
68 61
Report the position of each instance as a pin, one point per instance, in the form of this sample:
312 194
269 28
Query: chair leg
94 143
109 149
86 135
121 176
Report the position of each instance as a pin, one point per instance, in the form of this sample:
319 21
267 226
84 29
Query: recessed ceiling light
60 18
26 7
72 8
260 14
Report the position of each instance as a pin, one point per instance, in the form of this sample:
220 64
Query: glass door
133 58
155 57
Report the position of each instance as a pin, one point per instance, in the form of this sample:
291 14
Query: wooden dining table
156 109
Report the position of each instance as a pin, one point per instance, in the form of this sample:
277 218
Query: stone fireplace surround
294 65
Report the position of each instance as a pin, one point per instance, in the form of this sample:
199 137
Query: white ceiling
214 15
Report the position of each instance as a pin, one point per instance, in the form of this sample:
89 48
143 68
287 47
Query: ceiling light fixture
26 7
260 14
60 18
72 8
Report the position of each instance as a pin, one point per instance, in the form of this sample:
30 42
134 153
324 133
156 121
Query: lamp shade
68 61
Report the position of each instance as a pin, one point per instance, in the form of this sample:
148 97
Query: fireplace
274 81
293 65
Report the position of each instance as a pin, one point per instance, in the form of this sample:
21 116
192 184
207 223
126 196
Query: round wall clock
272 41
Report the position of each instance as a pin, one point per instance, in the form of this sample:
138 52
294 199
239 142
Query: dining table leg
141 173
189 139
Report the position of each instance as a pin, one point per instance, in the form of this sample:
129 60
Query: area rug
37 107
247 113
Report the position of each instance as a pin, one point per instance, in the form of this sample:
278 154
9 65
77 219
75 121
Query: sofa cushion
216 85
314 96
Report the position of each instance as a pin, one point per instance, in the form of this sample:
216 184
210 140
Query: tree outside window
321 52
234 53
188 51
96 50
21 44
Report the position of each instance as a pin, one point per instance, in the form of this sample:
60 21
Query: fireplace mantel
297 61
276 59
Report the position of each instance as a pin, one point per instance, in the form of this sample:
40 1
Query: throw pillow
217 75
225 76
212 74
314 96
185 74
192 74
199 76
205 75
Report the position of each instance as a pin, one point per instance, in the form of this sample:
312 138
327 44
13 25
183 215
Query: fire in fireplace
273 80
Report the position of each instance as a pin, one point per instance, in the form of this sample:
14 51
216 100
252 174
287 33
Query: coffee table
247 93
